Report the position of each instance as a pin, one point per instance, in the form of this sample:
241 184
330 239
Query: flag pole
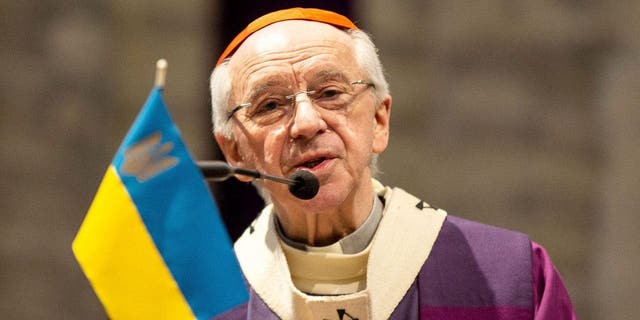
161 73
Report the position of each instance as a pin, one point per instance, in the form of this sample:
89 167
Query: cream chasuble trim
400 247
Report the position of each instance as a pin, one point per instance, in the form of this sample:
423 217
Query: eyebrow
283 81
266 85
325 75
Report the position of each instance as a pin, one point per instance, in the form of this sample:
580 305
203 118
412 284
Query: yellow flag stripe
121 261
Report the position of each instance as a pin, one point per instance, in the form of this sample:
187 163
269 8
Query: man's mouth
313 163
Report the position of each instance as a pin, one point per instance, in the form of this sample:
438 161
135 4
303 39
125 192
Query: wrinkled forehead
294 43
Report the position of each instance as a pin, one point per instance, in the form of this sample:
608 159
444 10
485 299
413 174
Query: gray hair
366 56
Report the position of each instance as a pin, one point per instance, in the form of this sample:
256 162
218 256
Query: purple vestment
474 272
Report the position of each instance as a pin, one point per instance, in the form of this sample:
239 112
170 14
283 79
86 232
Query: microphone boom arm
220 171
302 184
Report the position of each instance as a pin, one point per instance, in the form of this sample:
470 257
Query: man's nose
307 120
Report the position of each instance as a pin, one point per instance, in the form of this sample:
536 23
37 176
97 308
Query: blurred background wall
521 114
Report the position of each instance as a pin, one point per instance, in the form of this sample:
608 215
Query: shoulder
483 234
458 235
486 263
492 249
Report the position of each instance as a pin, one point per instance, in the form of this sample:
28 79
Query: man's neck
324 228
352 243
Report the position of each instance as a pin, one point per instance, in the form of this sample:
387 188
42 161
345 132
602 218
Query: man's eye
329 93
269 106
266 107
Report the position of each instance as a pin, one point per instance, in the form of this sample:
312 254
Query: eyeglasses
274 103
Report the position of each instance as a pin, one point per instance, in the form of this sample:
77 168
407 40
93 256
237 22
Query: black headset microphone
302 184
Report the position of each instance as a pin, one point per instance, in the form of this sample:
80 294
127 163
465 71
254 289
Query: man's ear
229 148
382 117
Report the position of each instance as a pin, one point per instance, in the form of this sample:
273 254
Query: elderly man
303 89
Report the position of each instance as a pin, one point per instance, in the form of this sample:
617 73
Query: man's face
335 145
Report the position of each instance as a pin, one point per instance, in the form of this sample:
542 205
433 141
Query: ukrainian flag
152 244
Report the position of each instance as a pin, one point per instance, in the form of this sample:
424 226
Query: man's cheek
273 145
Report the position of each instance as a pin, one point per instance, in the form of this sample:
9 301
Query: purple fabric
254 309
409 307
467 276
551 298
477 265
474 313
474 272
237 313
